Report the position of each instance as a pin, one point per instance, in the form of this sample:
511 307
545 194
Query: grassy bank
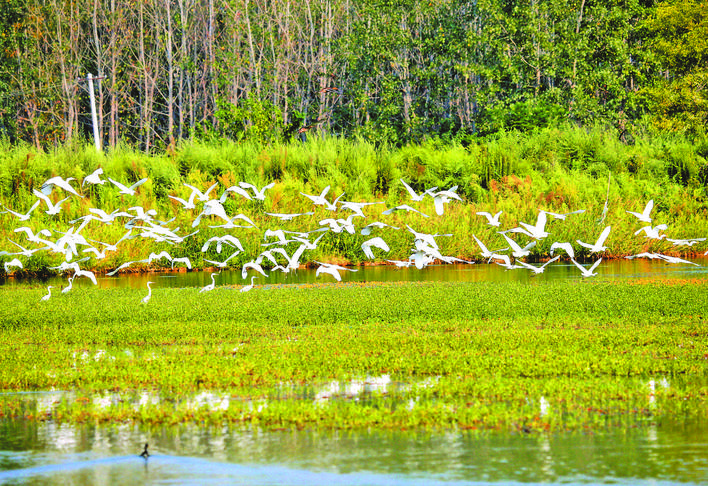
393 356
554 170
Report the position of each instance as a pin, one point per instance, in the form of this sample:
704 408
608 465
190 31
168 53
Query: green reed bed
547 355
557 170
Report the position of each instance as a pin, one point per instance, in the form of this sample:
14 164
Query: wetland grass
554 170
565 355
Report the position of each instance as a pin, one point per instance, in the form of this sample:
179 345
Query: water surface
610 269
48 453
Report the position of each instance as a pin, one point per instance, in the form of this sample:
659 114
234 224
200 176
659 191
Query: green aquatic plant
413 355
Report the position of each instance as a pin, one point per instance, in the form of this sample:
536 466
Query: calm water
47 453
610 269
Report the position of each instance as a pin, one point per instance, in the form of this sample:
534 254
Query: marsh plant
548 355
557 170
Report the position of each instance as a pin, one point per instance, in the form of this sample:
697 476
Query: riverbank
520 175
411 355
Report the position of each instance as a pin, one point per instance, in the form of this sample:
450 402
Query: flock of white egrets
141 223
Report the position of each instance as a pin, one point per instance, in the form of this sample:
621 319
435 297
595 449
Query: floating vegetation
553 405
562 355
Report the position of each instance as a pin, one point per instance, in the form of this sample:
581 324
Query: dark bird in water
145 454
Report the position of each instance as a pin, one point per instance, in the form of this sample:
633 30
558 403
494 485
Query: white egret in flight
492 220
485 252
653 233
366 230
376 242
202 196
536 270
183 260
128 191
427 238
401 263
357 206
672 259
220 241
86 273
649 255
25 216
441 198
188 204
294 259
238 190
506 261
252 265
289 217
567 247
331 269
644 215
15 262
309 245
404 207
318 200
536 231
321 201
685 242
113 247
59 182
28 252
339 225
599 244
516 250
51 207
94 178
258 194
414 195
587 272
158 256
32 236
563 215
225 263
124 265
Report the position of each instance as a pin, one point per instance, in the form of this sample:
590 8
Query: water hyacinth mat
570 355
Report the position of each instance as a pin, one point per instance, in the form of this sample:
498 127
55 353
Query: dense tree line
387 70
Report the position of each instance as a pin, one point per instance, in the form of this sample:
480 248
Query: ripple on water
46 453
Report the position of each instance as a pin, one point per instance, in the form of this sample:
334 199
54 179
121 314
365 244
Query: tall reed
553 169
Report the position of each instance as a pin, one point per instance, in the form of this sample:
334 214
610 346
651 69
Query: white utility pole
94 118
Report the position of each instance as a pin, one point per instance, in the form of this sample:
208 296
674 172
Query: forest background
387 71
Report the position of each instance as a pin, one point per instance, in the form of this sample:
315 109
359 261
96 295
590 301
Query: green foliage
11 15
524 116
391 73
454 359
198 156
683 164
679 30
252 118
